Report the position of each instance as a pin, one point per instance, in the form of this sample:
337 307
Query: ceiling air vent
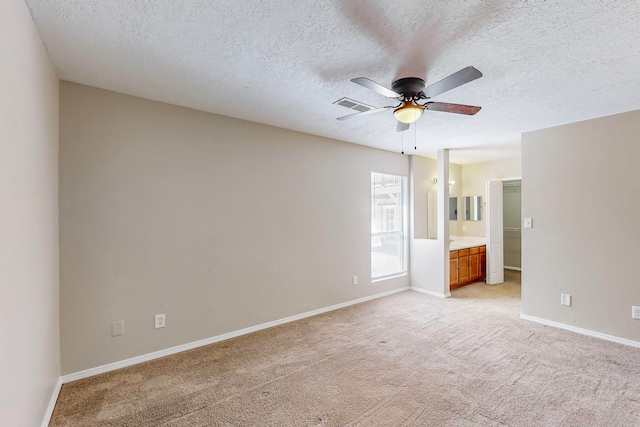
353 104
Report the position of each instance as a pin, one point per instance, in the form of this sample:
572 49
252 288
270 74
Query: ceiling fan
409 91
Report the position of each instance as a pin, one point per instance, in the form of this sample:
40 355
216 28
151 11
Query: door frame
500 277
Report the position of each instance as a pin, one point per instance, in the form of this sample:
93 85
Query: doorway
512 225
504 219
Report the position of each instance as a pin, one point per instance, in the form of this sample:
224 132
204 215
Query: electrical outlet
355 280
565 299
464 228
635 312
160 321
117 328
528 223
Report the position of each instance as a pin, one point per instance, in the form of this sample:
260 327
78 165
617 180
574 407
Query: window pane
387 225
386 255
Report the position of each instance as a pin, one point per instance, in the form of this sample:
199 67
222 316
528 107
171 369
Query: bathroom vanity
467 261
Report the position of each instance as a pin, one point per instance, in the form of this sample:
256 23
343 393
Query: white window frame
401 217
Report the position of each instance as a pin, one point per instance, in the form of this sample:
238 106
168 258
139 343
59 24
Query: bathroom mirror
453 208
473 208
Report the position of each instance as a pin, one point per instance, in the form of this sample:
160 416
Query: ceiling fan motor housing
409 87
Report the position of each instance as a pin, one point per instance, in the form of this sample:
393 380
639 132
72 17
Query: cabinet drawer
483 249
474 250
463 252
453 254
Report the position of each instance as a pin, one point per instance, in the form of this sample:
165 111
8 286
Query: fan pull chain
415 144
402 138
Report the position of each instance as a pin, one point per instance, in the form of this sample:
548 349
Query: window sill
393 276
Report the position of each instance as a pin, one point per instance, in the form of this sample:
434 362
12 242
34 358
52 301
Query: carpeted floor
405 360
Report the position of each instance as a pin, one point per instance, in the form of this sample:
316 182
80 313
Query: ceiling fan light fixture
409 112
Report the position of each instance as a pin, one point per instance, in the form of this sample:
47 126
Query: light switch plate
528 223
635 312
565 299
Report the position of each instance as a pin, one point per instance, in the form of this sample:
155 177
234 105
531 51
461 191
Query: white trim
582 331
393 276
432 293
508 267
188 346
52 403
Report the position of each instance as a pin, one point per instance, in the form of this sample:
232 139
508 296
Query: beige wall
220 223
429 257
581 187
474 183
426 267
424 215
455 190
29 348
426 169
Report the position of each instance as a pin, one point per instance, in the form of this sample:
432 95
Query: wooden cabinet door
474 266
467 266
453 268
463 265
453 271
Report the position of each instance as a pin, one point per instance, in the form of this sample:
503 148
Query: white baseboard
582 331
432 293
52 403
189 346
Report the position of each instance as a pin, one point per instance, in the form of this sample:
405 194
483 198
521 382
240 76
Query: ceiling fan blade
364 113
376 87
456 79
402 126
469 110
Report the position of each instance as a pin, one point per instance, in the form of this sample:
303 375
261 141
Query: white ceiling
284 63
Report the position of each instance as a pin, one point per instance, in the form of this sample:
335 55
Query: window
389 218
388 223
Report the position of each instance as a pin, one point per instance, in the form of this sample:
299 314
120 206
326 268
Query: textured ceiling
284 63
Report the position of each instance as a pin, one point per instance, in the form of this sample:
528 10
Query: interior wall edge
29 242
52 403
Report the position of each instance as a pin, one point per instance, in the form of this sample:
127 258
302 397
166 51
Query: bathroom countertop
463 242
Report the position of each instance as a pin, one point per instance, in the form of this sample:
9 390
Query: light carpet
404 360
